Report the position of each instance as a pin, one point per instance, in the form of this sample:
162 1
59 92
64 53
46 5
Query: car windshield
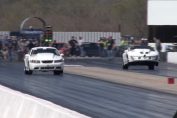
43 50
141 47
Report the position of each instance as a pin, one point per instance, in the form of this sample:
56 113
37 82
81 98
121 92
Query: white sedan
140 55
44 59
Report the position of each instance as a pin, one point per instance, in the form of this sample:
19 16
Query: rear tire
125 67
61 72
151 67
28 72
58 72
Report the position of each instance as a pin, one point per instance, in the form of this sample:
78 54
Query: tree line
127 16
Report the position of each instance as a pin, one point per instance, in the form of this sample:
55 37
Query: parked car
63 48
90 49
44 59
140 55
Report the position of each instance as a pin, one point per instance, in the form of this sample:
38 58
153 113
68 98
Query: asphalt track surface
95 98
164 69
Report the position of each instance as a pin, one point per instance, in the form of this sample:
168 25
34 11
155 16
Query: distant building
162 20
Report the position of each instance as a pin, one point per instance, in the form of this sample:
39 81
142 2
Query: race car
44 59
140 55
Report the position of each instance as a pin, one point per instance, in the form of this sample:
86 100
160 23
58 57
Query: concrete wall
14 104
172 57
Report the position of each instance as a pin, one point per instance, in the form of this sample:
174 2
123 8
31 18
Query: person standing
5 53
110 45
158 44
80 42
30 45
73 44
144 42
101 45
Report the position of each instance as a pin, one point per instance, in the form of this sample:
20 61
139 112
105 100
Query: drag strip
164 69
95 98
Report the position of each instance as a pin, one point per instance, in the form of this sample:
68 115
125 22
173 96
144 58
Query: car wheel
151 67
89 55
125 67
25 71
28 72
57 72
61 71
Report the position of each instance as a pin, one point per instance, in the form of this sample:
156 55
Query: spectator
21 49
157 45
73 43
5 53
101 44
104 45
110 45
80 41
124 42
54 43
10 52
0 45
144 42
30 45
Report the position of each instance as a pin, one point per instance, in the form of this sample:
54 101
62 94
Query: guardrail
17 105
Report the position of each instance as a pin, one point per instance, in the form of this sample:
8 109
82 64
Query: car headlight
58 61
35 61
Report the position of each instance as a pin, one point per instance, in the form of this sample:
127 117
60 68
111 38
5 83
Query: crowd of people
13 49
105 44
141 41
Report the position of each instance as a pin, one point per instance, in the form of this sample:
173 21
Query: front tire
125 67
58 72
28 72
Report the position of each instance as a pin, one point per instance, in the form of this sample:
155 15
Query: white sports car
140 55
44 59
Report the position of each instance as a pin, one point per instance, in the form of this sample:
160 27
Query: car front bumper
46 67
144 62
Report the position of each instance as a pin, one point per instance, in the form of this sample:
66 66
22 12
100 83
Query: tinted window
141 47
